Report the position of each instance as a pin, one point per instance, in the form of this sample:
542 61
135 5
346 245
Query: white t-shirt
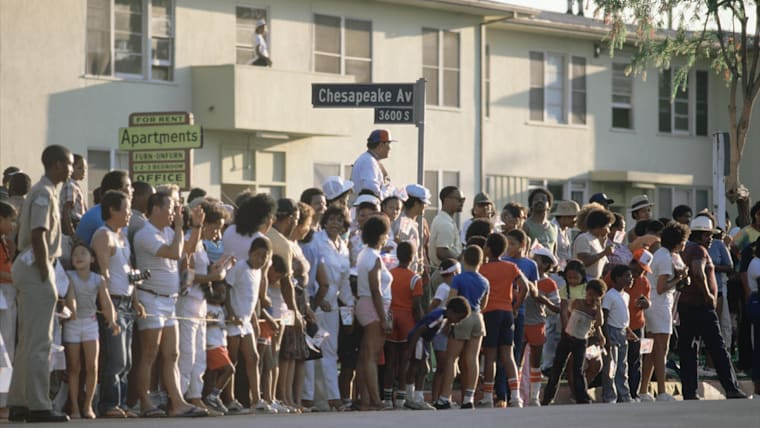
244 289
364 264
164 273
442 293
753 273
337 267
662 264
200 266
586 243
617 305
215 331
237 245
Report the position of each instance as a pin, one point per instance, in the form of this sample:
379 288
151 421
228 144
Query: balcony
248 98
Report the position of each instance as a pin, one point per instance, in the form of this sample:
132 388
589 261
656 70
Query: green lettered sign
161 137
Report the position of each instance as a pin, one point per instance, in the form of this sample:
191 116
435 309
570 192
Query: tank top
579 324
118 264
86 293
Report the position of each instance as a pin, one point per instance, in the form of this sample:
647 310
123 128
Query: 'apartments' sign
161 137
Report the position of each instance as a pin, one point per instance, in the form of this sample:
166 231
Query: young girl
244 280
8 310
585 316
535 317
80 333
449 268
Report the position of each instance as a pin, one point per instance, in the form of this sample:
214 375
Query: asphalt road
693 414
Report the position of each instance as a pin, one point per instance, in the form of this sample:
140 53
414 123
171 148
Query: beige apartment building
515 97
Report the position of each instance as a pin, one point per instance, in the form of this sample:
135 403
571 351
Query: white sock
515 393
535 390
419 396
487 396
410 391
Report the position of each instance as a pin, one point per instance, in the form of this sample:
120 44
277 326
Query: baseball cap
542 251
335 186
482 198
644 258
566 209
702 224
366 199
380 136
601 198
419 192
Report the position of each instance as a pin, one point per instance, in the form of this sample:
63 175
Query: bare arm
698 272
106 306
377 297
173 251
101 245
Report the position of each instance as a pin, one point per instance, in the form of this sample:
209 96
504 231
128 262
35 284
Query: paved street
712 414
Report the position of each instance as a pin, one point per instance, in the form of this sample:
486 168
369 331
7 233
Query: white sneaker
484 404
646 398
516 402
387 404
279 408
534 402
399 404
417 405
264 407
665 397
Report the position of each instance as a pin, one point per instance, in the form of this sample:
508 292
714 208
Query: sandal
192 412
155 412
113 413
129 413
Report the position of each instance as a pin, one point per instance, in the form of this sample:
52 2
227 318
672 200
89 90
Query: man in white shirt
368 172
445 241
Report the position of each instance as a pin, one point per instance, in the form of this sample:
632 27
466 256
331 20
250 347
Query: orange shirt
547 286
501 276
405 287
641 287
5 261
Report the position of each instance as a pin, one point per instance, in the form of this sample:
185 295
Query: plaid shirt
71 192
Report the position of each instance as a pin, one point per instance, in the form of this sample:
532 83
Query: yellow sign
159 178
161 137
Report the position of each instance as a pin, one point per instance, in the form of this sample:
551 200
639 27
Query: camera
137 275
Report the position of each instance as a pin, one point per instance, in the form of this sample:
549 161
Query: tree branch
731 64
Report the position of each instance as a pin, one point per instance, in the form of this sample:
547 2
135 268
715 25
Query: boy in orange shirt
498 317
406 310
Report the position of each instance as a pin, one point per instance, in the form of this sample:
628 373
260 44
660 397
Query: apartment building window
245 26
99 163
251 168
133 39
670 197
675 114
557 91
343 46
328 169
440 67
435 180
622 97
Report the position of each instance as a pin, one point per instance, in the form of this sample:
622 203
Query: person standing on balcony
368 172
260 49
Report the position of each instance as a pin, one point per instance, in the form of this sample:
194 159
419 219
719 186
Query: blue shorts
499 329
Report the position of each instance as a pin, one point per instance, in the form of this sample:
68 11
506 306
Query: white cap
367 199
335 186
542 251
702 224
260 23
419 192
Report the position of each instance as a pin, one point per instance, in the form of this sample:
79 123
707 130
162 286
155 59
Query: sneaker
399 404
235 408
279 408
665 397
387 404
467 406
736 394
534 402
264 407
646 398
442 406
516 402
215 403
417 405
485 404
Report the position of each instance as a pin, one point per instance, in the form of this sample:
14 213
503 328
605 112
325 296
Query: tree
716 31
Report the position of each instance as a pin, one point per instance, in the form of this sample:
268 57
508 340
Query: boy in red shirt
406 310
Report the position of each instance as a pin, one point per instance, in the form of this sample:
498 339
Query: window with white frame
440 67
686 113
245 31
557 91
251 168
322 170
670 197
99 163
132 39
622 97
435 180
343 46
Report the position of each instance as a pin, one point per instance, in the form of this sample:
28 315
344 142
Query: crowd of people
151 304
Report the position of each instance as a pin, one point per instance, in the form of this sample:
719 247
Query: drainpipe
480 108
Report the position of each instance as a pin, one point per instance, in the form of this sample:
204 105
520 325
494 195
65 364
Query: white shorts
160 311
659 320
81 330
240 330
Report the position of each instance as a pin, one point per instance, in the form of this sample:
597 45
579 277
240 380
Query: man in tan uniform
39 242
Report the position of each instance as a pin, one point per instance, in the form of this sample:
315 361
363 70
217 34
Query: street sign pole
419 122
720 145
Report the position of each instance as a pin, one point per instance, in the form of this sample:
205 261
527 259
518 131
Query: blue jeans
116 356
702 321
553 335
634 364
615 379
